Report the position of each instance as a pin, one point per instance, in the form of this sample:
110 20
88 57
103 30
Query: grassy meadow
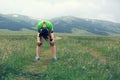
79 58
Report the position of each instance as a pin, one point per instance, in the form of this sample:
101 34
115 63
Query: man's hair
44 22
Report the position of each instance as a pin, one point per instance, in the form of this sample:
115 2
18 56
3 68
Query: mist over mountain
64 24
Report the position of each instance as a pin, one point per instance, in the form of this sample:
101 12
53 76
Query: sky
47 9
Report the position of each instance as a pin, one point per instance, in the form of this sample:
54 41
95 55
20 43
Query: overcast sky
47 9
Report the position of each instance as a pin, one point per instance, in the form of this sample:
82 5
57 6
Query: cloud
106 17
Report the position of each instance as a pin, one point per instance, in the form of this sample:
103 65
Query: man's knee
39 44
52 44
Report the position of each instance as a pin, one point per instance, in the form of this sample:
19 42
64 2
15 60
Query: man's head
44 32
44 24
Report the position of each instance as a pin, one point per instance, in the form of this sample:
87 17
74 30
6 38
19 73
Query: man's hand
51 39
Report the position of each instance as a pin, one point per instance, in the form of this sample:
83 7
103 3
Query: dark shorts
46 37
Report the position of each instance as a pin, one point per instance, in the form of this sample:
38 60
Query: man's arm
51 27
51 32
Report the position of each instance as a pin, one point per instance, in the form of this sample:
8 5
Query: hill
64 24
73 24
16 22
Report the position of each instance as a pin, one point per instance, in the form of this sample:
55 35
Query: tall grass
79 58
16 53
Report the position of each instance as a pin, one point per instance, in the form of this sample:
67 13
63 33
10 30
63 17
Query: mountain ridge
89 25
63 24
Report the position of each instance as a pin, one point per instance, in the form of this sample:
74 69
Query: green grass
79 58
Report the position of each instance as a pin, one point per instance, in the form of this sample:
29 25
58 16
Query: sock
37 57
54 57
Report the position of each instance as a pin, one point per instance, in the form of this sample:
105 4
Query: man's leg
38 48
53 47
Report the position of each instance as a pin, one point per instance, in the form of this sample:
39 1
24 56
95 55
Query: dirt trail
45 59
58 38
36 69
95 54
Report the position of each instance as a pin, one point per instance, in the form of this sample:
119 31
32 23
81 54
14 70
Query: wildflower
84 67
110 76
17 50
